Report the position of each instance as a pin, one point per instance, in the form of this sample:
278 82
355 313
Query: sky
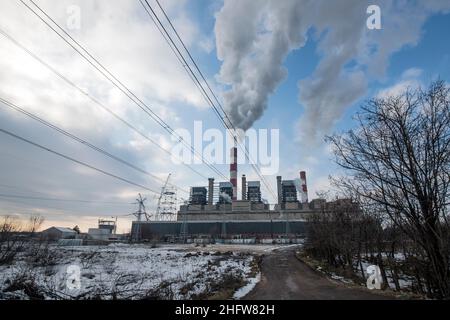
302 67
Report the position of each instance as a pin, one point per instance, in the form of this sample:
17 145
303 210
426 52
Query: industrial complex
214 212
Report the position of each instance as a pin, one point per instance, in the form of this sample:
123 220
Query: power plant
215 212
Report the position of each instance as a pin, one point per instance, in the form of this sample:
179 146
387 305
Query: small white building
56 233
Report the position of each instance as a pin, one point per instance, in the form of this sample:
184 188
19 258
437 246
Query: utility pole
115 225
138 214
184 228
167 202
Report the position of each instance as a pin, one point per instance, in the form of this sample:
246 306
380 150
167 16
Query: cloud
125 40
207 44
325 102
122 36
254 38
410 79
412 73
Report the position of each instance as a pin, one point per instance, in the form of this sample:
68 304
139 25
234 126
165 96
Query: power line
116 82
97 102
170 41
14 196
75 160
179 55
124 90
17 205
196 66
173 49
40 194
74 137
105 72
198 84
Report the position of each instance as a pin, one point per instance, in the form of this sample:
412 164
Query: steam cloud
254 38
225 196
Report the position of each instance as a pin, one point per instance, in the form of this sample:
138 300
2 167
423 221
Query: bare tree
76 229
399 160
34 224
9 242
13 236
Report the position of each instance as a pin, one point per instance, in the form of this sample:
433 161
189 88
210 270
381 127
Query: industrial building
212 213
253 193
57 233
106 230
215 212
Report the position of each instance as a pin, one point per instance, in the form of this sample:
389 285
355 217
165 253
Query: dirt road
284 277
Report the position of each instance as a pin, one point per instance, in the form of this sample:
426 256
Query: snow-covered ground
405 281
252 282
125 271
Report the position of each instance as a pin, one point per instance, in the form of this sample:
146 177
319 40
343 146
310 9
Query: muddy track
284 277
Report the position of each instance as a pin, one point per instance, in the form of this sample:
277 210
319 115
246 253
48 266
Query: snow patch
242 292
125 271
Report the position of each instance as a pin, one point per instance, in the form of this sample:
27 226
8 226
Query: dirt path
284 277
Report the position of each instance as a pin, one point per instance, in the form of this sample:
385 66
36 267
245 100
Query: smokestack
280 200
304 188
233 171
244 187
210 190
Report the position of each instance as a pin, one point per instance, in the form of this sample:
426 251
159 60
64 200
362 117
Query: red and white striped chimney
233 171
304 188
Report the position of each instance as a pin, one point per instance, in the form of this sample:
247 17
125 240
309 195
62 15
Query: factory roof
288 182
198 188
253 184
225 184
61 229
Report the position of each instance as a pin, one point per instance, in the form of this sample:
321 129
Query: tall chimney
233 171
280 200
244 187
210 190
304 190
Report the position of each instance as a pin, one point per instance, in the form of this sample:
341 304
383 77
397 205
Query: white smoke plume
254 38
226 197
